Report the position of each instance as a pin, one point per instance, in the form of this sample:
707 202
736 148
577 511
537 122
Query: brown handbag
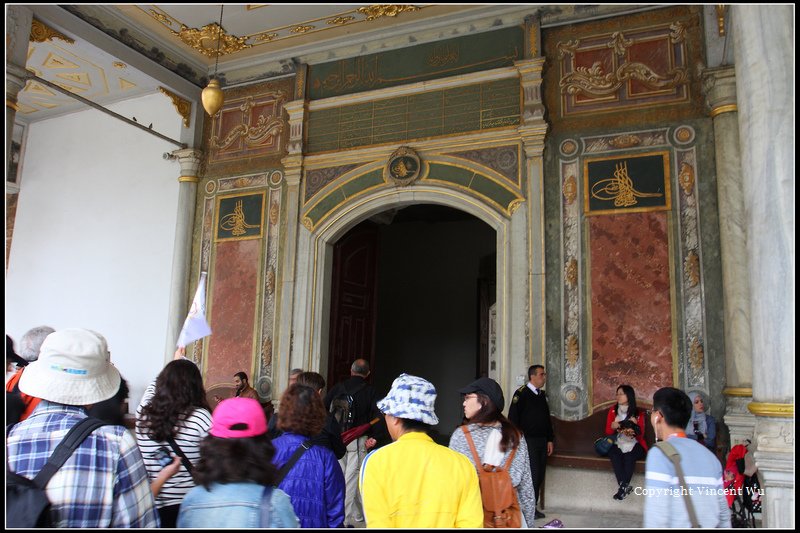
500 504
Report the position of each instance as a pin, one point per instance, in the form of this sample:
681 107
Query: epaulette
517 392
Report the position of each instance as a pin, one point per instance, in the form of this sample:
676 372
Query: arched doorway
407 291
309 331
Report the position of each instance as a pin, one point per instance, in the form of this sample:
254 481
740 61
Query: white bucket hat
73 368
411 398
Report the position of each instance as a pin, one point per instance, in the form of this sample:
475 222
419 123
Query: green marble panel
327 204
456 175
488 188
361 183
460 55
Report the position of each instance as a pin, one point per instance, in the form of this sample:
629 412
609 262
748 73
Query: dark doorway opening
411 293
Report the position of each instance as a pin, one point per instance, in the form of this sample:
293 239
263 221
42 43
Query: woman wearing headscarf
495 437
702 427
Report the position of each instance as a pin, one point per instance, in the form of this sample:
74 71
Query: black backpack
27 505
342 407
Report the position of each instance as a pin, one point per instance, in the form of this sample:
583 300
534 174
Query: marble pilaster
720 91
532 131
18 30
189 159
764 51
293 170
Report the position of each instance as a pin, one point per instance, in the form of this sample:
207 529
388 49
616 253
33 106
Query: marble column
764 51
532 131
18 30
189 159
285 357
719 85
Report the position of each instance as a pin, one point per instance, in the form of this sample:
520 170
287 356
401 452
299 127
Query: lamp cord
219 39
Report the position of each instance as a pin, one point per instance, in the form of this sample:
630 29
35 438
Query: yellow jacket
416 483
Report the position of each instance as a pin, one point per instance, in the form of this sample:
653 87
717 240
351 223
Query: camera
163 456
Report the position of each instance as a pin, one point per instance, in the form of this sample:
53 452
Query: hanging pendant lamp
212 96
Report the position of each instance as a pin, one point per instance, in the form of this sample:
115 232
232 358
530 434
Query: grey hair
31 342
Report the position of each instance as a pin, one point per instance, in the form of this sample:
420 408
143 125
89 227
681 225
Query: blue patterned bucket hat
411 398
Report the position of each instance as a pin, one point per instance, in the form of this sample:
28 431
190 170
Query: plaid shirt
103 484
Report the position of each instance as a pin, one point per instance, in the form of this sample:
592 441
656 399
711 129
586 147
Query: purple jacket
315 484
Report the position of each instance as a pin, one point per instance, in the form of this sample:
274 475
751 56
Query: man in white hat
414 482
104 482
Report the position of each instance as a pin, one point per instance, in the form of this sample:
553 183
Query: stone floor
578 519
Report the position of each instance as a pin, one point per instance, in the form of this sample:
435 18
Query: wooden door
353 301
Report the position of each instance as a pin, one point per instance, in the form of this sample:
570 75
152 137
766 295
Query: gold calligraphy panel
633 183
240 217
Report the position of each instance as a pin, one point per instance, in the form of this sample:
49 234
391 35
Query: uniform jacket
531 413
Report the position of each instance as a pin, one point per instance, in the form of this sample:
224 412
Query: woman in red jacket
627 422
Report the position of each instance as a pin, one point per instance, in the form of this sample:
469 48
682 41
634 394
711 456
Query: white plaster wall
94 231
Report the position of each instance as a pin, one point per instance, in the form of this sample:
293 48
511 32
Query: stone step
583 491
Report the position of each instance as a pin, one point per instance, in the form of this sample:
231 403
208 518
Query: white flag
195 327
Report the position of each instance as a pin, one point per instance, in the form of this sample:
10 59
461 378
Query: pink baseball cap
238 418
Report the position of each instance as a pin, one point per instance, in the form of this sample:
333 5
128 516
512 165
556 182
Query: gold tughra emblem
235 222
619 188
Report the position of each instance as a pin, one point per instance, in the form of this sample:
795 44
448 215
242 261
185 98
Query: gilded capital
189 159
719 87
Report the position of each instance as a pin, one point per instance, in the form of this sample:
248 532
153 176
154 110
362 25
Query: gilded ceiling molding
340 20
183 107
209 35
303 28
41 33
385 10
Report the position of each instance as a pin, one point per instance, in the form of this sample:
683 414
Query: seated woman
702 427
627 422
235 476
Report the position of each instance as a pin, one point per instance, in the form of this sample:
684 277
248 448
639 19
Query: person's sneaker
538 514
620 495
628 490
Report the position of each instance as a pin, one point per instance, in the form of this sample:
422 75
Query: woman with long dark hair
627 421
495 437
174 413
235 474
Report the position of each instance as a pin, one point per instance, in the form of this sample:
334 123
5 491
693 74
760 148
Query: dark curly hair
489 414
235 460
301 411
179 391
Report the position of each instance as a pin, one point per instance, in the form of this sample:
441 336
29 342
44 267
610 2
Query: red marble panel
586 59
630 304
233 310
657 55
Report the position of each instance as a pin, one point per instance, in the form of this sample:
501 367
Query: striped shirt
102 484
189 431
